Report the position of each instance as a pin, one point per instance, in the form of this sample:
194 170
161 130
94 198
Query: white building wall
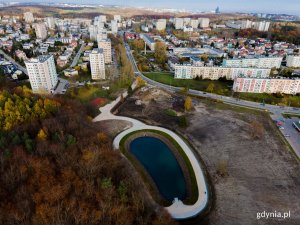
203 22
97 64
255 85
161 24
106 46
40 30
114 26
28 16
50 22
42 74
194 24
263 62
178 23
293 61
214 73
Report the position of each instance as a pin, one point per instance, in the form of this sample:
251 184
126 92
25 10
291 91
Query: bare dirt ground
113 128
262 174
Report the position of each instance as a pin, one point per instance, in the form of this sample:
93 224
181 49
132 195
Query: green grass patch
223 87
273 99
170 112
220 87
194 188
88 93
217 104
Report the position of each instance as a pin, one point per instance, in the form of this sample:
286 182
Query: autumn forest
58 167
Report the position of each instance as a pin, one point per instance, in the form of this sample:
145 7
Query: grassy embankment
224 88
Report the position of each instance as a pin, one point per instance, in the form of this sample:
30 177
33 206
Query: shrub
170 112
183 122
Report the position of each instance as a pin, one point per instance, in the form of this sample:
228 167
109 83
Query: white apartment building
293 61
262 25
161 24
203 22
118 18
149 41
99 24
194 24
42 73
93 30
106 46
50 22
114 26
28 16
188 71
256 85
260 62
101 19
40 30
102 35
97 64
186 21
97 32
178 23
246 24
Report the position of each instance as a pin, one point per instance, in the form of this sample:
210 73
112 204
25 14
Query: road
78 54
61 87
276 111
290 131
7 57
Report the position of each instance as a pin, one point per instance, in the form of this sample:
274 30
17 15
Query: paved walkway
177 210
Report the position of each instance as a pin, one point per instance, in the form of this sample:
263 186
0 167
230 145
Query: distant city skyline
259 6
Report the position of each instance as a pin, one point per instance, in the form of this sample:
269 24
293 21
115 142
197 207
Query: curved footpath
177 210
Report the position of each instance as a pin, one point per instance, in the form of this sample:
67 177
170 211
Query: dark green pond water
162 166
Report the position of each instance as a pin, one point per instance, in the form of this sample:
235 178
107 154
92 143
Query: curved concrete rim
178 210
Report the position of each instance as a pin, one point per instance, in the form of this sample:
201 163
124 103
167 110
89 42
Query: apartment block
262 25
203 22
101 19
50 22
246 24
40 30
42 73
97 63
118 18
188 71
260 62
194 24
28 17
186 21
114 26
293 61
161 24
178 23
97 33
105 44
101 35
149 41
256 85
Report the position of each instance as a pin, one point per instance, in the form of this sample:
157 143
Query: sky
264 6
